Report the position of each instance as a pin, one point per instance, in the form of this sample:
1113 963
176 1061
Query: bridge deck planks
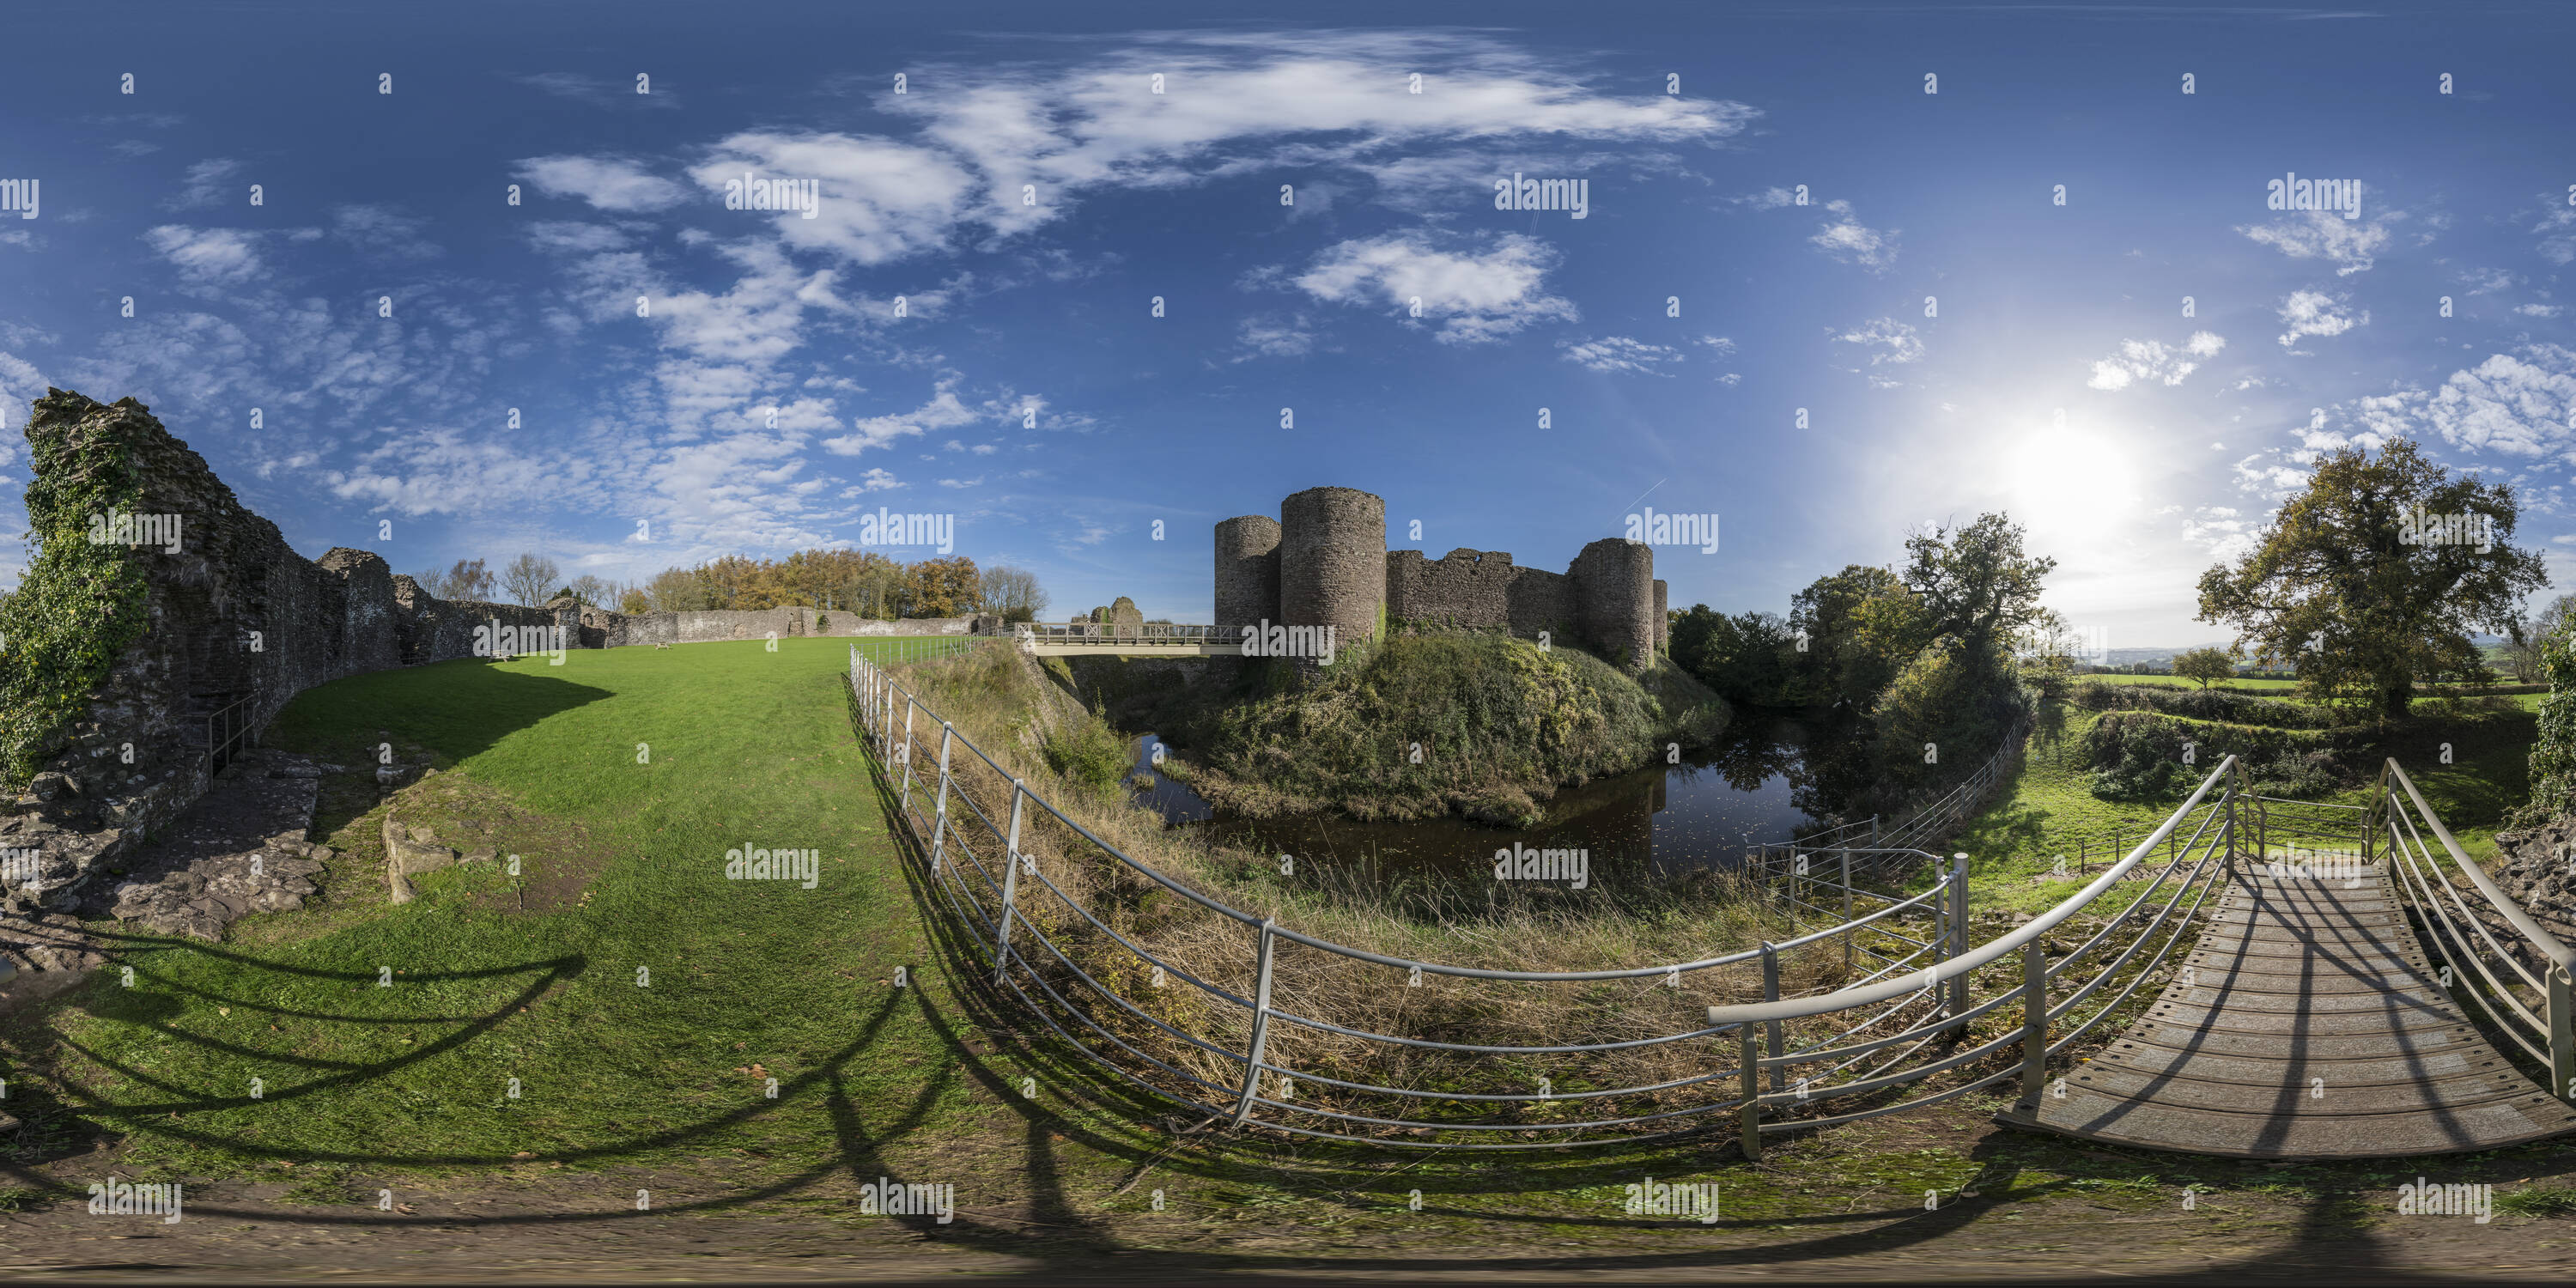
2306 1023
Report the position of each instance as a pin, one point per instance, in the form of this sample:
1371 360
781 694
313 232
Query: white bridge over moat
1108 639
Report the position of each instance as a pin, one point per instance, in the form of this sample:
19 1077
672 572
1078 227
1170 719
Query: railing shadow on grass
1105 1115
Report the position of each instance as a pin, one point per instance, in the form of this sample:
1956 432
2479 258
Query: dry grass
997 699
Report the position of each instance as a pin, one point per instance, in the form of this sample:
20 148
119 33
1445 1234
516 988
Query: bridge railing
1053 910
1037 634
2125 949
2478 931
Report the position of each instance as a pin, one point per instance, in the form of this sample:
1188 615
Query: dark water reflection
1768 780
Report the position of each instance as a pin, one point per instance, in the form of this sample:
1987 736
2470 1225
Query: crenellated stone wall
1312 568
236 619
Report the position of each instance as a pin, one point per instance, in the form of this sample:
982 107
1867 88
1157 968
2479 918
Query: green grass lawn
2014 843
626 1017
2241 684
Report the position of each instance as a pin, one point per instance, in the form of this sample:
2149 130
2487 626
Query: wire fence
2479 931
1219 1010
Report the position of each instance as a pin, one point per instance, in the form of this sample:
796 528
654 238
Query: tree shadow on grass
456 709
1112 1111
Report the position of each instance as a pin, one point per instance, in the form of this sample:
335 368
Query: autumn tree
2344 585
942 588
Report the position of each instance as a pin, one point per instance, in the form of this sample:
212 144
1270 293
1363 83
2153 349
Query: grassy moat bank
1410 727
1019 715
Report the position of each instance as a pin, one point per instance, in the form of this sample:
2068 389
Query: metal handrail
1913 1000
2547 1035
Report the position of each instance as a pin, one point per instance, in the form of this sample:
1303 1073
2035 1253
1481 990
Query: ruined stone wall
1332 560
1615 600
1308 569
1247 571
1663 619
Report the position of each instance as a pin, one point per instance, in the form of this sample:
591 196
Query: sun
2074 485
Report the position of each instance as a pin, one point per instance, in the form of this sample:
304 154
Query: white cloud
376 228
877 480
2537 310
2152 360
1266 336
1618 353
2486 281
1473 295
210 183
207 256
1847 240
2314 313
607 183
2320 234
2518 403
1721 344
2557 229
943 411
1903 343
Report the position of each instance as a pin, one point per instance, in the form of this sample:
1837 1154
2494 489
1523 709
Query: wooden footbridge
2257 978
2307 1019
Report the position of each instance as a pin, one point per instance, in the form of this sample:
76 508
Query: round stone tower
1247 571
1332 561
1614 595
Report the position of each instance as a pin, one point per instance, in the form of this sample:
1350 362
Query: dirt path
550 1226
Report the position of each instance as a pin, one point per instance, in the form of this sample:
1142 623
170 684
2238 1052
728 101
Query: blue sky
1028 195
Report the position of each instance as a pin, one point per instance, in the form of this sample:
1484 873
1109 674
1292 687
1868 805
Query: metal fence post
1010 883
939 821
1958 930
1748 1114
1260 1025
908 707
1771 1028
1847 911
2034 1023
2562 1034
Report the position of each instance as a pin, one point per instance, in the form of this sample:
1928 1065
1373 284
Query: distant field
2240 685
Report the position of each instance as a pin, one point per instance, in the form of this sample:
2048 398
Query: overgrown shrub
1414 726
2204 704
79 604
1956 700
2139 756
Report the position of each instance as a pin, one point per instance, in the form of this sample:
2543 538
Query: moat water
1765 781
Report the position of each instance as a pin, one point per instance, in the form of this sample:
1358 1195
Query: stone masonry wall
1303 570
235 615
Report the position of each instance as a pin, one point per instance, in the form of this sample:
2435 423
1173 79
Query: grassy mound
1423 725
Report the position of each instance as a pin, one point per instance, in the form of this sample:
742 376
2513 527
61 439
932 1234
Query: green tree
1747 658
1976 582
2205 665
2344 587
1852 631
